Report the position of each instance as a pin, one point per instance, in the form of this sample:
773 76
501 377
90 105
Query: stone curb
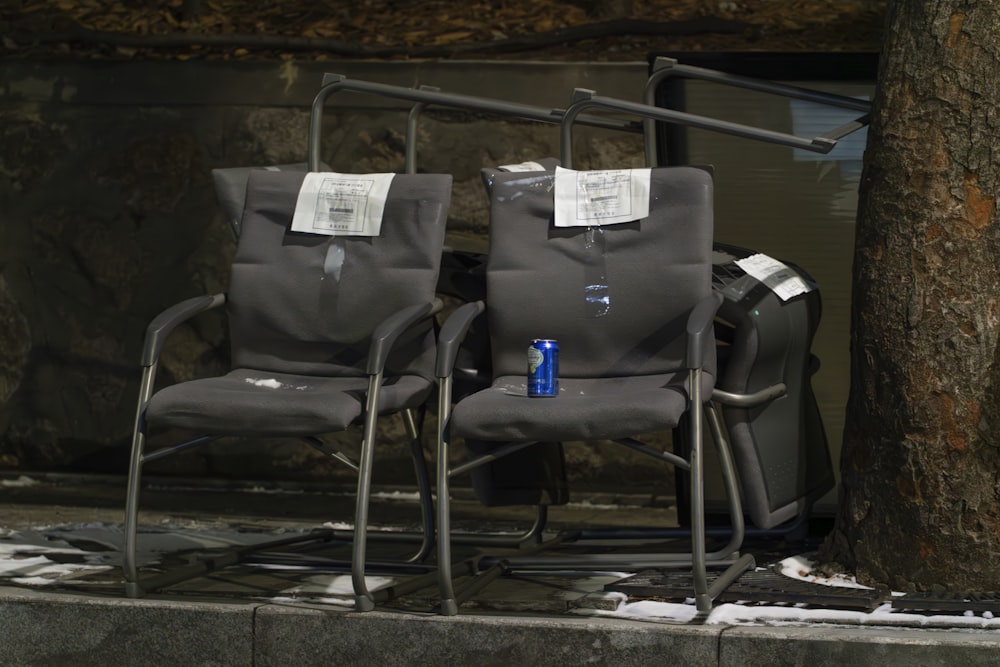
55 629
886 647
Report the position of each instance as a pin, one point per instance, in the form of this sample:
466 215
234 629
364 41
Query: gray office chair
639 360
326 332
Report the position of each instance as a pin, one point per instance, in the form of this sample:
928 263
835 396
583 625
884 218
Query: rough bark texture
920 505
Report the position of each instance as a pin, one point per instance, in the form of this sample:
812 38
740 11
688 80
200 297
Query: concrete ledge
50 629
299 636
38 628
877 646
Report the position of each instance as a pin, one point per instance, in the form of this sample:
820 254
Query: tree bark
920 489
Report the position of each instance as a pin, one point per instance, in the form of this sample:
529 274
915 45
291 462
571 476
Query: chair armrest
700 326
164 323
765 395
386 333
453 333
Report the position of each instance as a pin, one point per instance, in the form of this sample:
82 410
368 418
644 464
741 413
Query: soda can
543 368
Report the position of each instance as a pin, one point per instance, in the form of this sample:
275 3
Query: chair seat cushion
247 402
585 409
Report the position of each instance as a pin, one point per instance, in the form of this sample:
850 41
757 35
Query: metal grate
758 586
978 601
723 274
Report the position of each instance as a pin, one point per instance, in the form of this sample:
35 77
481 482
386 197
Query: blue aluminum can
543 368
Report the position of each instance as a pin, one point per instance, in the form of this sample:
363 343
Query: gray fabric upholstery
293 322
586 409
231 187
245 402
619 372
289 314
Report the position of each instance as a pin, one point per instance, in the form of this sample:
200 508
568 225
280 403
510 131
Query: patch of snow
802 568
396 495
347 603
32 558
20 482
884 615
97 547
261 489
338 525
587 505
336 584
269 383
586 587
33 581
16 566
646 610
41 571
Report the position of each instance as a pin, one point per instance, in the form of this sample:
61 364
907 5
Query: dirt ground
399 29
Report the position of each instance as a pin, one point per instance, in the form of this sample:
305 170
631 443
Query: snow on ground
45 556
802 568
21 481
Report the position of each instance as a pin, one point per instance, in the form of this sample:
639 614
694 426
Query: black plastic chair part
326 332
781 449
640 360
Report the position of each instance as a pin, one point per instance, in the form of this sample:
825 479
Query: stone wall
108 215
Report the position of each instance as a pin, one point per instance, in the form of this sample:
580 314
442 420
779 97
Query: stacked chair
329 332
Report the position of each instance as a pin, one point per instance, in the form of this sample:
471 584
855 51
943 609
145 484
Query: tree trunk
920 494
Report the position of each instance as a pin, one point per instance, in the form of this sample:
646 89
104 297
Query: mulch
401 29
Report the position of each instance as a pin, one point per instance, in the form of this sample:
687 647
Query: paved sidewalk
61 600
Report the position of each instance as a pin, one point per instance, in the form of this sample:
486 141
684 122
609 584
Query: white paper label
591 198
523 166
341 204
779 277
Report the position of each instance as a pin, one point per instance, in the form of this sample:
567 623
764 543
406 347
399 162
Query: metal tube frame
364 600
583 99
588 99
426 96
666 68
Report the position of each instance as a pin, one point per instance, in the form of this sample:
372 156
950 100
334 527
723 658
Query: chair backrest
307 303
231 188
541 278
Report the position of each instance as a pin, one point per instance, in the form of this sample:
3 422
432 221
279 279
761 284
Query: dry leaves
432 22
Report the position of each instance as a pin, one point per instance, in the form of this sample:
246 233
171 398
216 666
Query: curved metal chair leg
363 598
413 428
449 605
129 567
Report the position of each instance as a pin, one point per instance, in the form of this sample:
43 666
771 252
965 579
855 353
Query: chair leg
449 606
705 594
129 567
363 599
414 422
698 558
728 466
728 471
